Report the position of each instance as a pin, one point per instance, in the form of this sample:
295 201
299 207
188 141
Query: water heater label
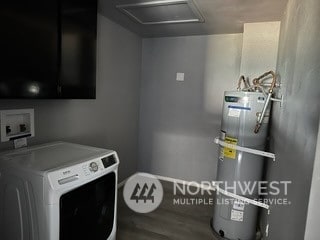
233 112
238 205
236 215
232 99
229 152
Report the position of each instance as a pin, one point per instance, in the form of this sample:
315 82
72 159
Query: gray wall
295 125
110 121
259 48
179 120
312 227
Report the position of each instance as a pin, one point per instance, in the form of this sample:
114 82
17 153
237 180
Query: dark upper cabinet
78 48
29 49
48 49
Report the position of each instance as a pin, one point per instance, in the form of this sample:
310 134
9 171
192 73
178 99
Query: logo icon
143 193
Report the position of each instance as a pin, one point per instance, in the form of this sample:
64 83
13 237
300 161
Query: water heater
242 110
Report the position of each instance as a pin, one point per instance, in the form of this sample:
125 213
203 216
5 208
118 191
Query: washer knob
93 167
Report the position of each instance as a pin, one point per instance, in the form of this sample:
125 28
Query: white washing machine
58 191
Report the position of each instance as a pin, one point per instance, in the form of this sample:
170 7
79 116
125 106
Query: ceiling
220 17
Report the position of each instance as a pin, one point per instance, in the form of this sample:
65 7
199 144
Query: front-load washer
58 191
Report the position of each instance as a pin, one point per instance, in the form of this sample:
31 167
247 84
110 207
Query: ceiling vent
163 12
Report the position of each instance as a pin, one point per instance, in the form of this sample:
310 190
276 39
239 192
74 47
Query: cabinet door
78 48
29 49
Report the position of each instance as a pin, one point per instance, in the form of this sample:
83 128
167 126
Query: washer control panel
86 170
92 167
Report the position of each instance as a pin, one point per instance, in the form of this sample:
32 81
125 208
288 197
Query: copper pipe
256 81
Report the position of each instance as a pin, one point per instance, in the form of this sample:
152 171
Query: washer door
88 211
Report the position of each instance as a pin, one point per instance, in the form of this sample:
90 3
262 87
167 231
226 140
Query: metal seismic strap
243 199
244 149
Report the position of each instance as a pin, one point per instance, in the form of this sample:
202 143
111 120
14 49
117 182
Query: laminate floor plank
168 222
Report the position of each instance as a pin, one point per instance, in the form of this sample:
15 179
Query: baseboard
173 180
122 183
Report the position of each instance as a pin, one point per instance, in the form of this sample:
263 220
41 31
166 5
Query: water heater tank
233 219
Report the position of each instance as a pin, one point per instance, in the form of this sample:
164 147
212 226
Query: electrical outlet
180 77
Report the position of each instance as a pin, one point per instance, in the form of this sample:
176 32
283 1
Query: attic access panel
163 12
